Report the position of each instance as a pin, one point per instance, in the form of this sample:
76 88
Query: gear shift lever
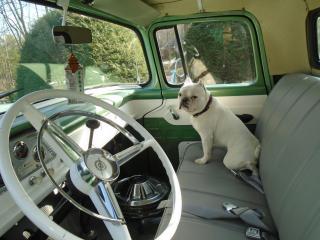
92 124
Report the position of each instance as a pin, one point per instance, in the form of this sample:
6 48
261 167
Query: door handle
174 114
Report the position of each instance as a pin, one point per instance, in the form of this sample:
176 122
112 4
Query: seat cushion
290 158
208 187
213 178
191 227
288 130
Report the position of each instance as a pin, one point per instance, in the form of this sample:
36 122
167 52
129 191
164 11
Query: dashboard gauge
35 153
20 150
24 154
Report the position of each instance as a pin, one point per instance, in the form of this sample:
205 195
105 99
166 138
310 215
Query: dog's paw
201 161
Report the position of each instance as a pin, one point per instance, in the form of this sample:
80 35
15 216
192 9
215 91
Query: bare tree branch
12 13
19 18
12 28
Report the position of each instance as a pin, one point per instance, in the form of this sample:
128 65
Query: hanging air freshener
74 74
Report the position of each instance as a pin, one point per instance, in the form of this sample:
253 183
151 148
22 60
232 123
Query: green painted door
224 51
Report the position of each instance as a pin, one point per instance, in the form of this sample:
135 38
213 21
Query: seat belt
248 215
253 180
252 217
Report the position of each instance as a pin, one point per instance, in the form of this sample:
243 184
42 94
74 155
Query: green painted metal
157 80
152 89
76 5
223 91
169 136
119 97
68 124
162 130
261 86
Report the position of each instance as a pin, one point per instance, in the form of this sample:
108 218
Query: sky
31 13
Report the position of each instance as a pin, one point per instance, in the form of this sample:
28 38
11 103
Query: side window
170 56
216 52
313 37
318 38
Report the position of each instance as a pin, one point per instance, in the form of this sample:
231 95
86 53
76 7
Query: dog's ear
188 81
201 82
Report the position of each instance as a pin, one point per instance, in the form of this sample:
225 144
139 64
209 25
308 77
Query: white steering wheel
88 177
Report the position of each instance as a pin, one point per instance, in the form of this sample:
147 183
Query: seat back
289 131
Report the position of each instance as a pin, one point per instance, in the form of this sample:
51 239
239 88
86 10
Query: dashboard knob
35 153
35 180
20 150
92 124
50 171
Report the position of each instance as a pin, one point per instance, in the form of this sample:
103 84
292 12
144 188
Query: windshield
31 61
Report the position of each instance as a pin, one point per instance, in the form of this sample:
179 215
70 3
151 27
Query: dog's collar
205 108
201 75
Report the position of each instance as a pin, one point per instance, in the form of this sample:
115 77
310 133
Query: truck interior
93 144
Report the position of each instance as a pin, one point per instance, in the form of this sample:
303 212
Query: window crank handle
174 114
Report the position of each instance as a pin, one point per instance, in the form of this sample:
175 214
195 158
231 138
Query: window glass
217 52
170 56
318 37
30 60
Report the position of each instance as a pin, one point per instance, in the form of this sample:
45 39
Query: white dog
218 126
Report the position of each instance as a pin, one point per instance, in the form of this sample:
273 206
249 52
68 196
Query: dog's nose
184 102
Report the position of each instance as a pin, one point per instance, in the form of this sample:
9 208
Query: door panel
238 104
223 50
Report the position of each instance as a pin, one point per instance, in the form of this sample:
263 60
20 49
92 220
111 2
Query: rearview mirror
71 35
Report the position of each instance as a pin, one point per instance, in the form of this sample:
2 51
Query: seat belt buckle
253 233
234 172
229 206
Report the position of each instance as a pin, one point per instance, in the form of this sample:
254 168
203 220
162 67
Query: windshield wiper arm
8 93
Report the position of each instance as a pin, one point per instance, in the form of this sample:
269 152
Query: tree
115 53
225 48
10 57
115 49
13 16
39 46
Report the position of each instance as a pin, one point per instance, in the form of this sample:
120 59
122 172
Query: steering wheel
91 171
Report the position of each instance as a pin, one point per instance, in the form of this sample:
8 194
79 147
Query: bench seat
208 187
288 130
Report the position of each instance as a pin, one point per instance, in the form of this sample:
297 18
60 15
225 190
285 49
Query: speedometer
25 162
20 150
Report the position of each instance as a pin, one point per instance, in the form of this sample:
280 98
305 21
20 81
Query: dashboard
24 155
26 163
28 169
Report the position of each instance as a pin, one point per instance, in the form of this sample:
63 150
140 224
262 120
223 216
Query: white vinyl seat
289 169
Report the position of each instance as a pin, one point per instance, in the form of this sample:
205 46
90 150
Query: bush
229 59
115 51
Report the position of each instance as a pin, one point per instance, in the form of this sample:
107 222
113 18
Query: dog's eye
194 97
179 94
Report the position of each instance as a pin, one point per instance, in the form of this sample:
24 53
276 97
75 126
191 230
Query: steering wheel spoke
106 203
130 152
69 149
66 148
91 171
33 115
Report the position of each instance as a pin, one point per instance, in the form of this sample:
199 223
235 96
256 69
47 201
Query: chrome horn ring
94 171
